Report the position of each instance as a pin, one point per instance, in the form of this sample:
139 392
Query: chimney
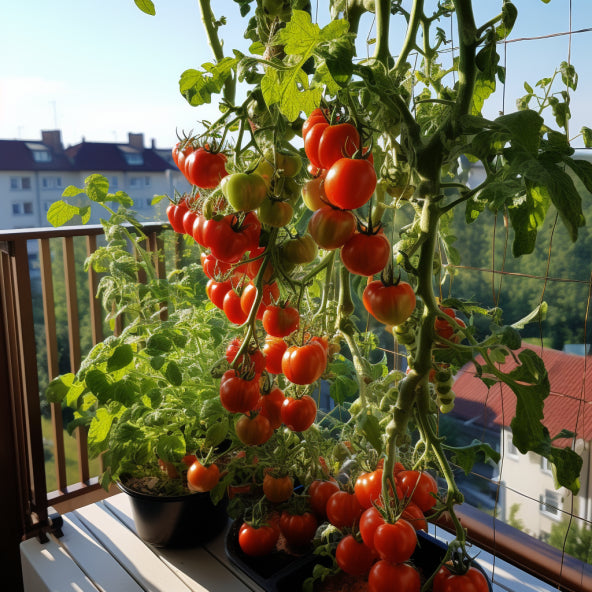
153 143
53 138
136 140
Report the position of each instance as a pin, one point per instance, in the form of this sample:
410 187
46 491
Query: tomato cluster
201 166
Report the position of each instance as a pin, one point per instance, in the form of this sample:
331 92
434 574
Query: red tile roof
568 406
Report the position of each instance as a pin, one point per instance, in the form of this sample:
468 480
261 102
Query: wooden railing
25 499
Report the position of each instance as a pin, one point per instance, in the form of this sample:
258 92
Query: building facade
34 173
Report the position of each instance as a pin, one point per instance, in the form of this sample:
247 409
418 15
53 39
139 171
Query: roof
35 155
18 155
568 406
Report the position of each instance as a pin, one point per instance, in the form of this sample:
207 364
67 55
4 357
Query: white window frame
51 182
135 181
20 183
509 448
19 208
546 466
549 504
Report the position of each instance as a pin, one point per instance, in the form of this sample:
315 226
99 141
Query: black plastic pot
179 521
280 572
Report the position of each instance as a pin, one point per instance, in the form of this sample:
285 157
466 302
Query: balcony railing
25 500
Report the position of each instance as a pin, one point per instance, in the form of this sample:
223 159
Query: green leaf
509 15
120 358
537 315
524 127
171 447
466 456
587 136
58 387
583 169
97 382
100 426
300 35
96 188
217 432
173 374
198 87
158 344
370 426
121 197
61 213
146 6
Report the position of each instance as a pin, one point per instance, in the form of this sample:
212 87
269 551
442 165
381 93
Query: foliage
413 117
573 539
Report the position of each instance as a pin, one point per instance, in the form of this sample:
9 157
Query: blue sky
103 69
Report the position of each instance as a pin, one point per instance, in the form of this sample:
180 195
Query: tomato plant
274 349
384 575
278 489
202 478
239 394
270 406
354 557
320 491
304 364
350 183
257 540
366 253
343 509
298 414
391 304
245 191
472 580
253 429
395 542
420 487
205 168
299 529
280 321
331 228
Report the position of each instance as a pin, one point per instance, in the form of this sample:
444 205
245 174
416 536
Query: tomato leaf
536 316
100 427
466 456
146 6
120 358
171 447
173 374
198 86
370 426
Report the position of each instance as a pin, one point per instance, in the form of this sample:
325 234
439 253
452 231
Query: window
147 181
549 503
133 158
114 182
41 156
545 465
20 183
135 181
51 182
511 450
22 208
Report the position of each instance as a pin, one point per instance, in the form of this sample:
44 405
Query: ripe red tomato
180 153
253 430
274 349
317 116
204 168
389 304
366 254
278 489
238 394
350 183
255 356
216 291
270 406
343 509
368 488
395 542
413 514
370 520
384 575
354 558
271 293
420 487
257 541
299 414
280 321
224 238
175 213
445 329
331 228
212 267
447 580
304 364
299 529
336 142
319 493
231 305
202 478
311 143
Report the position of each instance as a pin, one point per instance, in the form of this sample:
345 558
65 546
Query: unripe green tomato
443 375
355 407
446 408
275 213
442 388
288 165
300 250
244 191
290 190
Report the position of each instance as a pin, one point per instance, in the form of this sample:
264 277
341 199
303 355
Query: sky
99 70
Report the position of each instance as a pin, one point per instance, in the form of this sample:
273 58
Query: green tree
573 539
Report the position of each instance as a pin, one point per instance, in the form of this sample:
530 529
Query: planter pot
179 521
281 572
